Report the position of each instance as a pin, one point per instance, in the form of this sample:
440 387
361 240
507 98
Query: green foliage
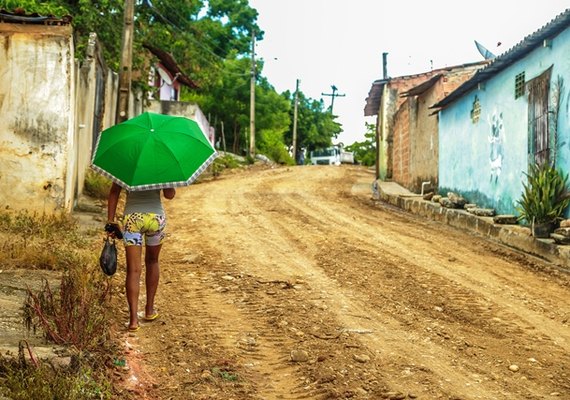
96 185
55 8
545 196
365 151
316 127
211 43
272 145
226 161
224 375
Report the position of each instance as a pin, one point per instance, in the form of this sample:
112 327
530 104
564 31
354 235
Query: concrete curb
514 236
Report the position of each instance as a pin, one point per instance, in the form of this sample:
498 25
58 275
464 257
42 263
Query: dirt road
289 283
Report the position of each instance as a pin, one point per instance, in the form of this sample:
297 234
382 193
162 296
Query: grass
24 380
221 163
76 314
96 185
40 241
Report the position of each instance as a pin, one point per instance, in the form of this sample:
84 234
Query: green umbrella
153 151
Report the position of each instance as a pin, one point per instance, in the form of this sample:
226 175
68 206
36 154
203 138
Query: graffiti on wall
496 140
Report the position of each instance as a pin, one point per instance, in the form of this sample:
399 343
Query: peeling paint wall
484 136
37 112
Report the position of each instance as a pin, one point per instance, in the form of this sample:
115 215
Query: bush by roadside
75 315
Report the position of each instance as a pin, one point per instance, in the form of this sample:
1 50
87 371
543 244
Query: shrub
20 380
97 185
30 240
76 314
545 195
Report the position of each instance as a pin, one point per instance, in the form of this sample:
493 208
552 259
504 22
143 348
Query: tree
211 42
316 127
272 122
365 151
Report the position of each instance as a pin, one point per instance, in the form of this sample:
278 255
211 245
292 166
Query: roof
170 64
517 52
423 87
19 16
375 94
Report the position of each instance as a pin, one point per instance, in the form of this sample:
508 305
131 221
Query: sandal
134 328
152 317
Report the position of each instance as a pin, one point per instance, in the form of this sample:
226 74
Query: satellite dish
164 75
487 55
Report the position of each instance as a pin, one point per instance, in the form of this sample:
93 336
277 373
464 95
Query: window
539 136
519 85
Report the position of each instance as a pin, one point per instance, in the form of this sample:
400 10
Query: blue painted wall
485 160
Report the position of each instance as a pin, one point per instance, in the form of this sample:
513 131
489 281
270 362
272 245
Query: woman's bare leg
132 284
152 275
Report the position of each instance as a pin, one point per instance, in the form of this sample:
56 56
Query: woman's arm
112 202
169 193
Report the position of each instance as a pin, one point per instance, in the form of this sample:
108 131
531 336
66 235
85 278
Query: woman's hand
113 230
169 193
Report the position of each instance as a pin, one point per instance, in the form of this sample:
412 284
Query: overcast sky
340 42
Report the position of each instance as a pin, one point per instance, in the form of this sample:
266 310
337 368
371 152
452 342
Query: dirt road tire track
371 302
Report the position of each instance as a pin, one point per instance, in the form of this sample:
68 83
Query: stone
394 395
445 202
505 219
361 358
299 356
60 363
562 231
482 212
565 223
428 196
469 205
560 239
326 378
436 198
456 199
514 367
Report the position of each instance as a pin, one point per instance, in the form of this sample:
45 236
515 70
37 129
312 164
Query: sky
340 42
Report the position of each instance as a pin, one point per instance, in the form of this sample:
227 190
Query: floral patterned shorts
147 226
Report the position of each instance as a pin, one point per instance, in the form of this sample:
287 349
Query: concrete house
407 133
511 113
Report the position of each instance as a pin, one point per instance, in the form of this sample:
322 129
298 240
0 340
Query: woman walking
143 223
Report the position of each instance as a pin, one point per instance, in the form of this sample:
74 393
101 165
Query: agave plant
545 196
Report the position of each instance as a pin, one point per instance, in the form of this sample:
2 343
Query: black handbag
108 258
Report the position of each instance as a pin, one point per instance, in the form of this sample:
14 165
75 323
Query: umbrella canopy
153 151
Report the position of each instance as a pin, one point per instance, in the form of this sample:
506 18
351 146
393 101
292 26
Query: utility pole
295 121
252 100
126 63
333 95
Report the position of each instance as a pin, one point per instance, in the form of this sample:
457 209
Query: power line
333 95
